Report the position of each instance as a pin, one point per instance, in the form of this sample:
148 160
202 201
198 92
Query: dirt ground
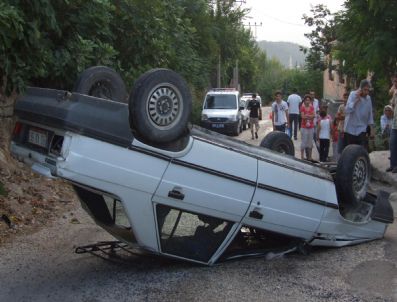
27 201
38 263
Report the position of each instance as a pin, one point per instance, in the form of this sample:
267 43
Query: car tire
278 141
160 105
102 82
236 130
352 175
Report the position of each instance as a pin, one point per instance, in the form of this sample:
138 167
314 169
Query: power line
283 21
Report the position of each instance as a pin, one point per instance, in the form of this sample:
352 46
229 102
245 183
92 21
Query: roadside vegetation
3 191
48 43
356 42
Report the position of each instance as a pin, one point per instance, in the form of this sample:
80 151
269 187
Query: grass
3 191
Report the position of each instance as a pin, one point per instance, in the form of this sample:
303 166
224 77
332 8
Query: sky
282 19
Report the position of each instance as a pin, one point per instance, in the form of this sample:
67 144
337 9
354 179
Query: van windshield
220 101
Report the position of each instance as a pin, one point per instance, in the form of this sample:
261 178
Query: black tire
352 175
160 105
278 141
236 131
102 82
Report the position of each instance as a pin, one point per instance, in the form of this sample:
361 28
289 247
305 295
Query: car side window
190 235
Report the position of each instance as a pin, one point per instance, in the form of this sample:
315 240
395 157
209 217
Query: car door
288 201
201 200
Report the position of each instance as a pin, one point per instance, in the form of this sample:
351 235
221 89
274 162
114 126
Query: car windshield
220 101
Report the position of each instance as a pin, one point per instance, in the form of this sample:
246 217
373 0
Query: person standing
393 133
386 122
335 137
358 116
280 113
324 135
294 101
340 117
307 127
316 105
254 106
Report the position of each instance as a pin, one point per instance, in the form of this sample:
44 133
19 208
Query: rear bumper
45 165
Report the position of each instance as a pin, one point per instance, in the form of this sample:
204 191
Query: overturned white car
152 181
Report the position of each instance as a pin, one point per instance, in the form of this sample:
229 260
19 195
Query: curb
379 163
382 176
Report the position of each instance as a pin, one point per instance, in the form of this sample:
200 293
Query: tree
322 37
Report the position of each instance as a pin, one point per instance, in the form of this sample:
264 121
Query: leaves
3 191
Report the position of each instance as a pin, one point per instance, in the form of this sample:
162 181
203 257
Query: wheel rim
164 106
282 148
360 178
102 90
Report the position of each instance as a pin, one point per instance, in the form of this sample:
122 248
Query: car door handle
255 215
176 194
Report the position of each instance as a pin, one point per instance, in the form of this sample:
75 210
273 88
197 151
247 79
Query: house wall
333 85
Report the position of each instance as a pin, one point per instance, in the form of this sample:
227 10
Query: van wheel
237 129
278 141
160 105
352 175
102 82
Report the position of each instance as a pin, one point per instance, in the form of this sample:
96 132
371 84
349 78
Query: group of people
352 124
308 116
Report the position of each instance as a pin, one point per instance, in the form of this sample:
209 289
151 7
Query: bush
3 191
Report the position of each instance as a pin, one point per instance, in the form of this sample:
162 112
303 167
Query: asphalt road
43 267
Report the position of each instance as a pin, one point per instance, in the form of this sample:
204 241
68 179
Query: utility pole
255 26
219 72
235 77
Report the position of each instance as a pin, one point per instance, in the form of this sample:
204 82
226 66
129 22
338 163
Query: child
307 127
324 135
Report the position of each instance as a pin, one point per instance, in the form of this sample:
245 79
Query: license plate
38 137
218 126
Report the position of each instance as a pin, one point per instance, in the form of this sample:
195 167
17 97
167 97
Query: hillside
283 51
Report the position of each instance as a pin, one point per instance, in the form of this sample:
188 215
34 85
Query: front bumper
223 127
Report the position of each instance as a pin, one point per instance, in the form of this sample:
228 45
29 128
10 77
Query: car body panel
206 181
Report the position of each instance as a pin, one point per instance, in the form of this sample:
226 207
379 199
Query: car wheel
236 130
102 82
352 175
278 141
160 105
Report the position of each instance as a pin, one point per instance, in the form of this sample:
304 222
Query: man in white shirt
359 116
279 113
294 101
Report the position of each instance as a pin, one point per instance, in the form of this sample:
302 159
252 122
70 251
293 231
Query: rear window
220 101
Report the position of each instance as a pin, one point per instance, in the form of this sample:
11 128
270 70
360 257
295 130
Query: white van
222 112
